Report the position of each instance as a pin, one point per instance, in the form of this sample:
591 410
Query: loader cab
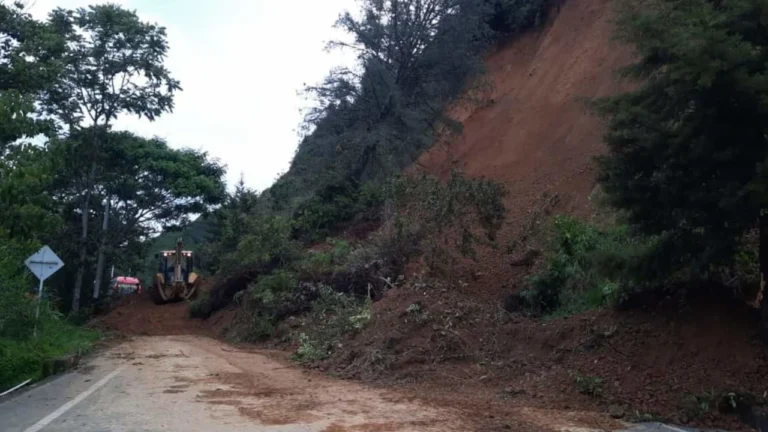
167 265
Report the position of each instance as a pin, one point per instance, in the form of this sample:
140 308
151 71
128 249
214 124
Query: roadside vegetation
69 180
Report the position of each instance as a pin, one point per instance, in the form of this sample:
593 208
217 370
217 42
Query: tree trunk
102 247
763 254
83 252
83 240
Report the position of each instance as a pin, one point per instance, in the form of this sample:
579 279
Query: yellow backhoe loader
175 279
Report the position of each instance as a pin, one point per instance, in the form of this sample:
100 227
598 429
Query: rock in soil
616 411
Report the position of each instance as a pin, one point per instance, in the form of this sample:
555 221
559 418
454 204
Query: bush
268 240
333 315
267 245
22 359
317 263
310 351
339 202
510 17
267 300
586 267
437 218
201 307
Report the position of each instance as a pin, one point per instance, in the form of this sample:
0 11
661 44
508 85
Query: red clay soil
537 136
458 347
138 315
471 355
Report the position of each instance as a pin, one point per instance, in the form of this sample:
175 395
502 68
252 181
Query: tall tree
149 186
114 65
688 147
30 54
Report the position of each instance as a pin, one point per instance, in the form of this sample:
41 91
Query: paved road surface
188 384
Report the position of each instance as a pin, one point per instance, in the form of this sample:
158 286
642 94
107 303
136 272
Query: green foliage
267 239
31 54
201 307
317 263
114 64
265 300
333 315
310 351
510 17
586 267
226 226
21 352
687 145
27 209
22 359
336 203
438 218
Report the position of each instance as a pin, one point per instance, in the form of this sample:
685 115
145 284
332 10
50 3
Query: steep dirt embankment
536 135
538 138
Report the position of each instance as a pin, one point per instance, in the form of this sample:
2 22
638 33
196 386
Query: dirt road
192 383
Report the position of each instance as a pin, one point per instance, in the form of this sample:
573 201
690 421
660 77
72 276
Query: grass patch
21 360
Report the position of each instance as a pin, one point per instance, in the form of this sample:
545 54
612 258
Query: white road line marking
67 406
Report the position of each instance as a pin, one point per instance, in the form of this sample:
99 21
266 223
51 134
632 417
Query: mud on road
250 391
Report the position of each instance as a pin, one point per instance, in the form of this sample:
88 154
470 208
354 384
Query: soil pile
138 316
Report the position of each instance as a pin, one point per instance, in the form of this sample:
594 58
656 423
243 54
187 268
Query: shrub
340 201
333 315
22 359
266 301
586 267
266 242
320 262
310 351
510 17
201 307
437 218
266 246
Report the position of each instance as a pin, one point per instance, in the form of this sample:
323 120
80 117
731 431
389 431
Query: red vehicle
125 285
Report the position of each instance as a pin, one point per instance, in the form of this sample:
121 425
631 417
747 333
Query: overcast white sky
240 63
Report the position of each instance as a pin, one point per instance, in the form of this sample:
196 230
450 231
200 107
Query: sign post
43 264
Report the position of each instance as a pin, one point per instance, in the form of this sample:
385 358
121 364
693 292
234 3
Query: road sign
44 263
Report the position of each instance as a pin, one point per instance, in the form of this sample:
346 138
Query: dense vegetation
688 147
69 180
685 172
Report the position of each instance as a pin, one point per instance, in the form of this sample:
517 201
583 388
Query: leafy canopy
688 145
